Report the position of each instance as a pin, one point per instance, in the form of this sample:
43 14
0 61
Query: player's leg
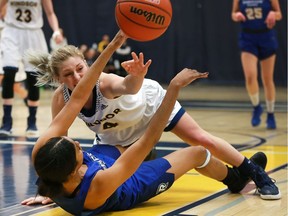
267 73
190 132
249 64
10 61
33 103
37 42
201 159
7 96
192 157
19 85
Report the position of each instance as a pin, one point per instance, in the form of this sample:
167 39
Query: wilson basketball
143 20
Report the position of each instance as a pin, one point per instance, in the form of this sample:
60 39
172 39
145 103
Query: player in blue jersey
258 42
101 179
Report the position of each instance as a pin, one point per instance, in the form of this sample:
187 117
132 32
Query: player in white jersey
115 120
22 32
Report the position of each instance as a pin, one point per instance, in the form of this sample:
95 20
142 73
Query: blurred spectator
122 54
83 48
103 43
90 55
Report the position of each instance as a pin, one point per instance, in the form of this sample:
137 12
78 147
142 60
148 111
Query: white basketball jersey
24 14
121 121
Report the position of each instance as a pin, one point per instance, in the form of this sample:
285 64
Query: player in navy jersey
258 42
101 179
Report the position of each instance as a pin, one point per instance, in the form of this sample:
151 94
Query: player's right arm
3 4
236 15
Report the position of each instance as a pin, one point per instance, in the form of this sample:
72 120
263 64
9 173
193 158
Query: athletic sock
254 99
7 110
230 177
270 106
32 114
246 167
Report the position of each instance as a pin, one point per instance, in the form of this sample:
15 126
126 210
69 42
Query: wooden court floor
223 111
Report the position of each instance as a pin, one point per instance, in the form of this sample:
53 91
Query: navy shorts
262 45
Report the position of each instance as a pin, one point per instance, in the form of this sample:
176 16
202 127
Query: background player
22 31
257 41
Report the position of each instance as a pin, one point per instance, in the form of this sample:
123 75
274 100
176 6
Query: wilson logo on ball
143 20
149 16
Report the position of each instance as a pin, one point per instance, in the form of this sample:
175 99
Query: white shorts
15 42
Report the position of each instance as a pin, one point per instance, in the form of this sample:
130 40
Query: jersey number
254 13
108 125
23 16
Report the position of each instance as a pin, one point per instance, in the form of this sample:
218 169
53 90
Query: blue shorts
262 45
152 179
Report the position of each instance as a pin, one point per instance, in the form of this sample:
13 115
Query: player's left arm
52 20
274 15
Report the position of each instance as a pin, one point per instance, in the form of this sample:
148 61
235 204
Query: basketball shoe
265 185
237 181
256 120
271 123
32 131
6 128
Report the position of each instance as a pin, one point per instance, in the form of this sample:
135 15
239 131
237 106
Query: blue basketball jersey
255 12
149 180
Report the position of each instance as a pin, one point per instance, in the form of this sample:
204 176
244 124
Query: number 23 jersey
24 14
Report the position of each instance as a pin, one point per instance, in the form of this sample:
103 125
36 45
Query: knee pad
208 157
33 91
8 82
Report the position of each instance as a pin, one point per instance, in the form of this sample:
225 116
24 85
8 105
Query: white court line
33 143
34 209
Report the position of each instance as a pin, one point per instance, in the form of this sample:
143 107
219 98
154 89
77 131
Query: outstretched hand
136 66
186 76
37 200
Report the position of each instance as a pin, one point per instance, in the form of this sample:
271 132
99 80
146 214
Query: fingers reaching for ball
136 66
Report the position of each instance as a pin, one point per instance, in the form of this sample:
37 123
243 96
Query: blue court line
209 198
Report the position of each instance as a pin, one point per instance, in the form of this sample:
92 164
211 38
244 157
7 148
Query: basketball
143 20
